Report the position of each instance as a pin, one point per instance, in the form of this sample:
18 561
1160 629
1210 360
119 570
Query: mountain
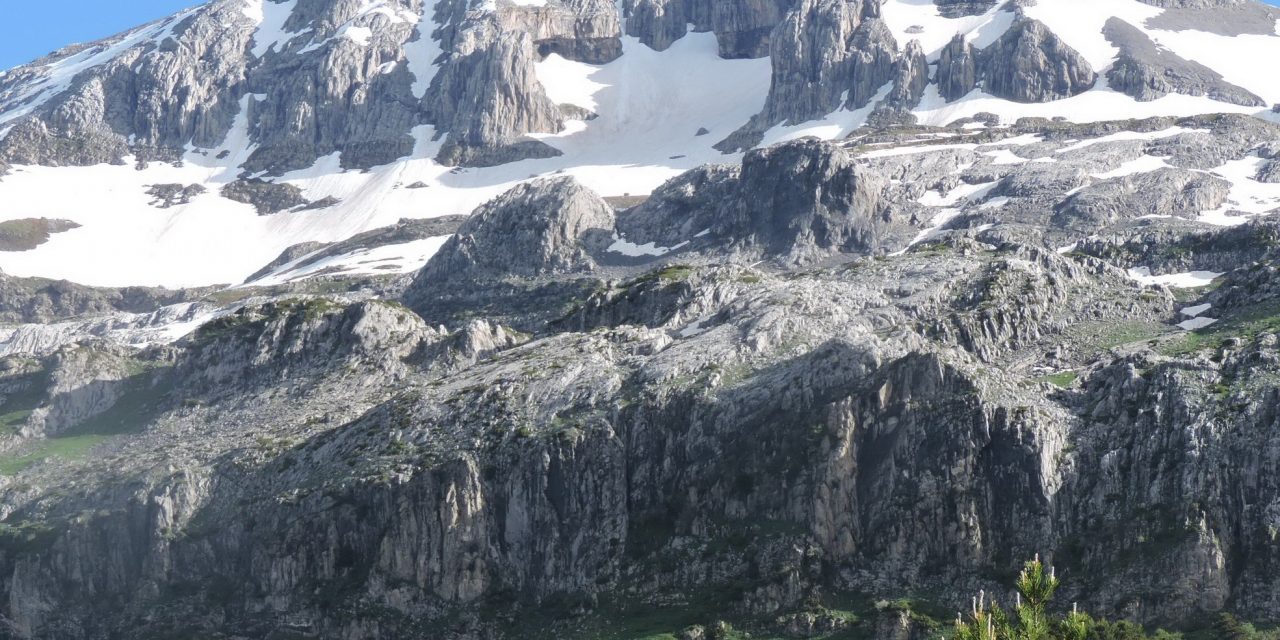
214 140
353 319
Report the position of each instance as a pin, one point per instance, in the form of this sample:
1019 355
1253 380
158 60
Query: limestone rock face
1167 192
323 77
1032 64
1222 17
74 133
962 8
823 51
957 69
842 418
743 28
488 96
826 55
1269 172
1147 72
911 78
538 228
797 203
811 59
801 197
682 207
584 30
85 381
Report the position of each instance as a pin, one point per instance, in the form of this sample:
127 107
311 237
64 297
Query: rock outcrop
826 55
1221 17
539 228
1167 192
963 8
1147 72
306 80
1030 63
827 390
957 69
487 97
911 78
798 202
584 30
743 28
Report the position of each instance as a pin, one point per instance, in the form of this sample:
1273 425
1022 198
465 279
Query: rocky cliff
769 396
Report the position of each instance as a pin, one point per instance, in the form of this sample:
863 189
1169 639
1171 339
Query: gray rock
315 92
43 301
682 207
25 234
266 197
963 8
539 228
399 233
1147 72
957 69
488 96
798 203
287 256
1030 63
911 77
803 199
1269 172
1223 17
85 381
73 133
584 30
826 54
1167 192
165 196
743 28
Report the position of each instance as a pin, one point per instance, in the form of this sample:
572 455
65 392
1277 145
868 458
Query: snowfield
646 133
651 107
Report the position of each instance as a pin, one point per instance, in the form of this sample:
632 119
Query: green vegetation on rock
67 448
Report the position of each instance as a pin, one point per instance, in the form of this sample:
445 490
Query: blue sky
32 29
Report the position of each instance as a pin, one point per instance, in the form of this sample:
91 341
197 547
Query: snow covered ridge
352 113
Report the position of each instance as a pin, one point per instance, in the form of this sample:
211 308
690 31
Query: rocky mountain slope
535 337
212 141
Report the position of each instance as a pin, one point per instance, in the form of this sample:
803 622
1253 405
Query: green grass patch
1117 335
1064 379
1191 294
675 273
14 419
27 394
68 448
1246 326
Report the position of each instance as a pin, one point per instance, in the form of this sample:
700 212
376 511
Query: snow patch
1186 280
408 257
270 18
1197 323
1192 312
835 125
1145 164
633 250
